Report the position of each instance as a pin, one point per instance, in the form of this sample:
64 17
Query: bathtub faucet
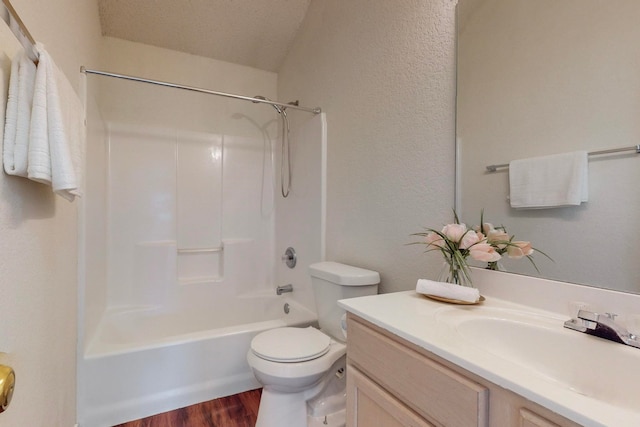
283 289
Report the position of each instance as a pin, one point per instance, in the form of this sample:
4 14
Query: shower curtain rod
316 110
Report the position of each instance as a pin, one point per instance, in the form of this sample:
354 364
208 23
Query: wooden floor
239 410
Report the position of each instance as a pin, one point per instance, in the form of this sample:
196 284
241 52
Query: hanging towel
549 181
57 130
18 115
447 290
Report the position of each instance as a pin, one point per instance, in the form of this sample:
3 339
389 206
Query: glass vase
455 272
495 266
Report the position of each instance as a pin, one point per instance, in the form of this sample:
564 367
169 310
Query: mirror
541 77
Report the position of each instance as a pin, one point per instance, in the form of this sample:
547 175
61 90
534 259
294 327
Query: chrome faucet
603 326
283 289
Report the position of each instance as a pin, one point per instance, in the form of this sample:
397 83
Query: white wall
38 249
384 72
200 112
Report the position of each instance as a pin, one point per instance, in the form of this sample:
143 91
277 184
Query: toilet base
290 409
310 407
282 409
337 419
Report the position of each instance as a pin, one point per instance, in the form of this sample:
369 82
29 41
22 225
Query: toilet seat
290 345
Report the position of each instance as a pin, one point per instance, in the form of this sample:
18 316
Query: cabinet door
368 405
432 390
531 419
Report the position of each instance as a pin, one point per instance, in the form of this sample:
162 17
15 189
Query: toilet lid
290 344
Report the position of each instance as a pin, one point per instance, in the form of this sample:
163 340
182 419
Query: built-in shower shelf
199 280
200 265
199 250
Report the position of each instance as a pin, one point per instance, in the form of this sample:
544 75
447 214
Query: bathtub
144 362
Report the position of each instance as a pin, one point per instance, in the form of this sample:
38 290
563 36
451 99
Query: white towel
18 115
57 130
447 290
549 181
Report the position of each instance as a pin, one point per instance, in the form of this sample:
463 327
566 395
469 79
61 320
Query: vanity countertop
414 318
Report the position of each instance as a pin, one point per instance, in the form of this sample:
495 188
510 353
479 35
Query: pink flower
484 252
469 239
434 239
487 228
498 238
454 232
519 249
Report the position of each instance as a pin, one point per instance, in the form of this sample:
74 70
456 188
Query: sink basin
587 365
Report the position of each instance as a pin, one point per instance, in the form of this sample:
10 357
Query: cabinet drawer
437 393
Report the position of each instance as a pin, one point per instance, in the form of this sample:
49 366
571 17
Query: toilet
302 370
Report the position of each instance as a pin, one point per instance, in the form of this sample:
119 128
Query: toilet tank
332 281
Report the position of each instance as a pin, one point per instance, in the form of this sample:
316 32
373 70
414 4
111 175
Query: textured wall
384 72
38 250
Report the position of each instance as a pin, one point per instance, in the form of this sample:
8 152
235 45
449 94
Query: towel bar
636 148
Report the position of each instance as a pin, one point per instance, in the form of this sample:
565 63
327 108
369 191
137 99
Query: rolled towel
447 290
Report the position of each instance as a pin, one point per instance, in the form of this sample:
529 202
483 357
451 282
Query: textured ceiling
256 33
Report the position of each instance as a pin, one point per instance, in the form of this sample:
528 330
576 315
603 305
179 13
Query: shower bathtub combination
182 228
171 360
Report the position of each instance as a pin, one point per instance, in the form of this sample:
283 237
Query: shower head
278 109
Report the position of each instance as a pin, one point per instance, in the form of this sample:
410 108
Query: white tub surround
427 324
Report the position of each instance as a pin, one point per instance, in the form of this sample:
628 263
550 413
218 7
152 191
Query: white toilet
302 370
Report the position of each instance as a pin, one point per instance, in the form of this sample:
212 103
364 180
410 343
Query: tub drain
286 308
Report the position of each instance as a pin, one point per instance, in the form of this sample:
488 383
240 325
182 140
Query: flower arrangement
484 243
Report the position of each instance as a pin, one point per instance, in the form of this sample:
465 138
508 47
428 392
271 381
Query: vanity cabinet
392 382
